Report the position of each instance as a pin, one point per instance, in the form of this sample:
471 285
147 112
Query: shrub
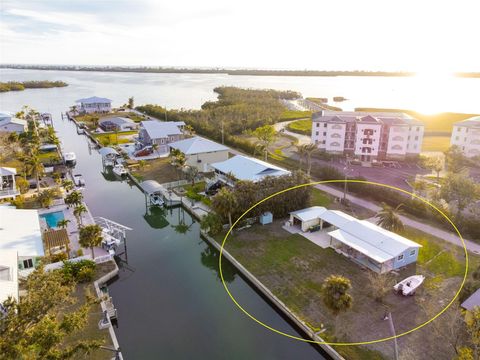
212 223
22 184
85 274
79 271
58 257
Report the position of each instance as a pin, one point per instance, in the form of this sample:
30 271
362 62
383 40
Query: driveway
282 127
435 231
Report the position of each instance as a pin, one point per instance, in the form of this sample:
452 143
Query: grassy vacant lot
294 114
303 126
159 170
294 268
320 198
436 143
113 138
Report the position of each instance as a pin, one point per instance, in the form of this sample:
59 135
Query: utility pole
223 143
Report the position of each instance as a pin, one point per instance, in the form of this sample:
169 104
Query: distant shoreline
253 72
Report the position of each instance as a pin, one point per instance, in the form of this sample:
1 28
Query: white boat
78 180
409 285
69 158
156 199
119 169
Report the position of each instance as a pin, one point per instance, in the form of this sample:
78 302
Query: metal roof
94 100
20 231
473 122
104 151
336 218
197 145
161 129
310 213
4 171
472 301
151 186
117 120
247 168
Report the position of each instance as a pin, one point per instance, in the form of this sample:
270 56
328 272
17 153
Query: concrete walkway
282 126
435 231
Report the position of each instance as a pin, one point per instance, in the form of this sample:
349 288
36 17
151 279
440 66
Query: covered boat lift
109 156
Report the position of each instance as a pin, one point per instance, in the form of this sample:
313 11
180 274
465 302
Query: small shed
266 218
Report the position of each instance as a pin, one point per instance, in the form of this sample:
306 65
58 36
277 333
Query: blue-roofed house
200 152
161 133
94 104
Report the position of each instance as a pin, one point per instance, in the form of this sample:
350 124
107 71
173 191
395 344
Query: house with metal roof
466 135
200 152
8 187
117 124
94 104
364 242
20 231
9 123
160 133
8 275
472 301
242 167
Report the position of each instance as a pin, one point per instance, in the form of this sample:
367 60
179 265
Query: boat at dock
78 180
70 158
409 285
119 170
156 200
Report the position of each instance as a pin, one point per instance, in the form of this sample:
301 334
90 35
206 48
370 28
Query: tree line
22 85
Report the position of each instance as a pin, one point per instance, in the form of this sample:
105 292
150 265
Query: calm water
424 94
170 301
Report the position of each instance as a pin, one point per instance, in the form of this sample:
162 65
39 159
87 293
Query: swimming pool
53 218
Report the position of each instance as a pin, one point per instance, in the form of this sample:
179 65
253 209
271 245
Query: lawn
436 143
112 138
293 268
303 126
295 114
320 198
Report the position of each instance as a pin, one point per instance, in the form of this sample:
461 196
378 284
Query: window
318 124
412 252
465 139
400 257
415 146
324 124
416 138
456 138
324 133
418 128
466 130
408 137
323 142
27 264
316 133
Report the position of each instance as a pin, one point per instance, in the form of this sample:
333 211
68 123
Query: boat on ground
119 170
69 158
409 285
78 180
156 199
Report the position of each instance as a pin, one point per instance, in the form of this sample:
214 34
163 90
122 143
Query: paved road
442 234
302 139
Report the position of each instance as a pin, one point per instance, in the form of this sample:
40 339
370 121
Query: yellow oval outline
343 343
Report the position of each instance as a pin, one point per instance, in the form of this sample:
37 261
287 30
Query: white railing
59 264
9 193
174 184
103 258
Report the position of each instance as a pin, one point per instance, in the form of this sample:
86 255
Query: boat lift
114 235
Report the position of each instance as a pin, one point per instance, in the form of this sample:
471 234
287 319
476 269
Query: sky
411 35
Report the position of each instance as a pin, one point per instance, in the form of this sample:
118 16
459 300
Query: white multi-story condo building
466 135
367 136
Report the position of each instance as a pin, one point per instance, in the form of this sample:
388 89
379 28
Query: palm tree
335 295
155 147
141 164
301 154
46 197
309 149
62 224
192 173
68 185
74 198
34 166
225 202
90 236
389 219
78 211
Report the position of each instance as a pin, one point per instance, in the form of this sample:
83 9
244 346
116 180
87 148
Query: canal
170 300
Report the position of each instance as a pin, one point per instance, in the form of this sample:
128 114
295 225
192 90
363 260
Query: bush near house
303 127
80 271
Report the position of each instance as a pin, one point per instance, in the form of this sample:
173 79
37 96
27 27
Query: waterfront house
8 275
362 241
242 167
8 187
20 231
117 124
161 133
368 136
9 123
200 152
94 104
466 135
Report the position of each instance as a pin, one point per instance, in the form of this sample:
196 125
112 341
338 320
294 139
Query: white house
200 152
8 275
9 123
94 104
367 136
8 187
365 243
466 135
242 167
20 231
161 133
